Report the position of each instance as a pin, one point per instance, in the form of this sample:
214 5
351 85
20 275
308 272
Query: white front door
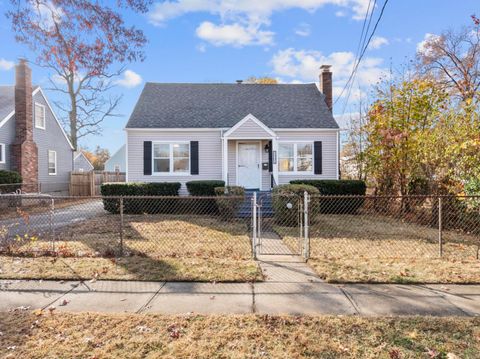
248 165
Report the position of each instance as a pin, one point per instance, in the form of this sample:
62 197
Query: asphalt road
43 223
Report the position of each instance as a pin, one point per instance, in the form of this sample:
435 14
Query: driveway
44 222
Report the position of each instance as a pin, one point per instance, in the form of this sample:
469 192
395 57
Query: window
171 157
39 116
2 153
116 168
295 157
52 163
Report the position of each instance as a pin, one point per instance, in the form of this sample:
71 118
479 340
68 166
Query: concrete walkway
290 288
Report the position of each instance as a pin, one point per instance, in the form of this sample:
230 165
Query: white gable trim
39 89
249 117
115 153
5 120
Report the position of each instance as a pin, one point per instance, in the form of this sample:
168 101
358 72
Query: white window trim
48 163
295 158
115 168
171 173
44 116
2 153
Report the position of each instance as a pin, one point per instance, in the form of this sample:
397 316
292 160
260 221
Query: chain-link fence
387 227
189 227
230 227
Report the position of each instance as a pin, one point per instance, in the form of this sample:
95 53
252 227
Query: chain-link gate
275 213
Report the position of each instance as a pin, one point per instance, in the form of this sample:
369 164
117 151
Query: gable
249 127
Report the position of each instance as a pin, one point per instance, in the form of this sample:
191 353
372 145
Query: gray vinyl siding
7 137
210 155
52 138
81 163
118 158
249 129
329 149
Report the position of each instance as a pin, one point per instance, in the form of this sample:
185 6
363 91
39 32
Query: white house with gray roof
32 141
251 135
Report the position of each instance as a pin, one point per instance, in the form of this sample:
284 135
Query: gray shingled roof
7 100
223 105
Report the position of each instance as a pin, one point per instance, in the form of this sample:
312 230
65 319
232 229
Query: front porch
249 155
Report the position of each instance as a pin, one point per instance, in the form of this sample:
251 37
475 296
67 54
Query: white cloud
421 46
377 42
130 79
243 22
47 14
340 13
6 65
304 65
252 9
303 29
235 34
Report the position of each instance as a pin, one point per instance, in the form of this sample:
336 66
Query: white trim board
5 120
249 117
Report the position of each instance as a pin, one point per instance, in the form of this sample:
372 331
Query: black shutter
317 163
270 157
194 157
147 158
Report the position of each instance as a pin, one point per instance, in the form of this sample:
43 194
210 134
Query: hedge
229 200
338 188
203 188
140 189
287 199
11 178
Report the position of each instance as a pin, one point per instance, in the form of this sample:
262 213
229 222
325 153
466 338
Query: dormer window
39 116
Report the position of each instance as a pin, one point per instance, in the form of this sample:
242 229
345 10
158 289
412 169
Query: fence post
52 223
254 225
121 226
440 227
306 237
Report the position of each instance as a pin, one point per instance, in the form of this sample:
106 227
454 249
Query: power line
365 47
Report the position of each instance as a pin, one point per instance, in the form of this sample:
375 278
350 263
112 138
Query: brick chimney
326 85
24 150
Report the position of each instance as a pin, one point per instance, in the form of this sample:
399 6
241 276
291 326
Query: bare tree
80 40
453 58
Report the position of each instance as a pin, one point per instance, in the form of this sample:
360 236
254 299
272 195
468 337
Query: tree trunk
72 114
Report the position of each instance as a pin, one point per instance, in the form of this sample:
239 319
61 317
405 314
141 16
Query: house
81 162
32 141
117 162
251 135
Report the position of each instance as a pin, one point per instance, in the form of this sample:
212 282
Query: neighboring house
81 163
117 162
32 141
251 135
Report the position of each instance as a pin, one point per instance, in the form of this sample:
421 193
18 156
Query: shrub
287 200
229 200
165 205
9 181
203 188
338 188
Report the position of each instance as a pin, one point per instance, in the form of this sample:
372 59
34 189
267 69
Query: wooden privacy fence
88 183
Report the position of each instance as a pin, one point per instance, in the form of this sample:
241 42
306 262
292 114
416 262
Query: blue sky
226 40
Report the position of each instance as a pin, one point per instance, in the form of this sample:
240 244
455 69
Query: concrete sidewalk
290 287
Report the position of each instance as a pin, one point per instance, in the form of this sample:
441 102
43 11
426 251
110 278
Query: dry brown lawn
351 248
155 247
88 335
